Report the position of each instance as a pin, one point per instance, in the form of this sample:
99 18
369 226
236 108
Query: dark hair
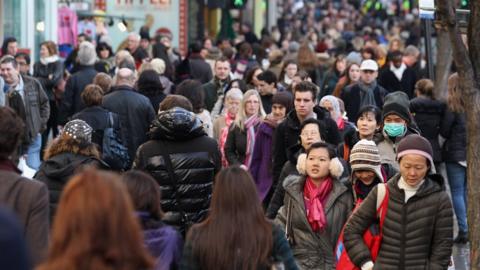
302 74
371 109
306 86
103 46
241 83
149 83
284 66
145 193
393 55
370 51
9 59
92 95
172 101
193 91
222 59
267 76
9 120
331 151
25 56
195 47
236 233
7 41
249 74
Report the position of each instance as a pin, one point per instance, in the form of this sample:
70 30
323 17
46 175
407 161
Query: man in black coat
397 76
177 139
199 68
287 133
365 92
134 109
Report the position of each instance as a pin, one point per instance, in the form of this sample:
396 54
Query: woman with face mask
397 123
316 207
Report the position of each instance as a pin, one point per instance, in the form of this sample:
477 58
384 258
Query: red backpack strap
346 152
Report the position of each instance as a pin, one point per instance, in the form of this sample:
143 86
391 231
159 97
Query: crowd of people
268 152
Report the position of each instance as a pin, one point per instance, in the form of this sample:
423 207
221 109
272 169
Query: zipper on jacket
402 242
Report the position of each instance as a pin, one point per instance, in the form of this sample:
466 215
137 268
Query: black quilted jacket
195 159
416 235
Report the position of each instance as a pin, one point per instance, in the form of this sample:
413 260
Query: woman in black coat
49 71
429 114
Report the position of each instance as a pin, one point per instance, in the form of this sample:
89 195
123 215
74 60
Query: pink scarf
250 125
223 137
315 197
340 123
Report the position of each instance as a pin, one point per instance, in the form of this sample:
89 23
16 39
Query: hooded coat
416 234
195 159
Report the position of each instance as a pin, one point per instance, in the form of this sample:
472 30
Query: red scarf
340 123
223 136
315 197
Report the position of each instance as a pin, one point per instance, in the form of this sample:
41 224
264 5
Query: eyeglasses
309 133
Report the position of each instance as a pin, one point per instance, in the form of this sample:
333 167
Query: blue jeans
457 178
33 153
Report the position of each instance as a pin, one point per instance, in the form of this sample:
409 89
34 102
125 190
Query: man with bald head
134 109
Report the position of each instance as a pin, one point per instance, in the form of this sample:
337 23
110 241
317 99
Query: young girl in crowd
316 207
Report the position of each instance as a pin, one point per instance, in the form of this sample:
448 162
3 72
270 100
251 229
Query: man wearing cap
365 92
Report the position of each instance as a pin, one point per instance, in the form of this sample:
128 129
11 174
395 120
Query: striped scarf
250 125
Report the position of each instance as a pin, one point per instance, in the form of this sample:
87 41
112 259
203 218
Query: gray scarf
367 96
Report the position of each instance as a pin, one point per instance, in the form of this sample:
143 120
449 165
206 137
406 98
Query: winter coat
388 148
13 245
429 115
329 83
281 252
212 90
72 102
315 250
135 111
37 107
200 70
236 145
352 99
287 135
390 82
455 147
156 100
49 76
28 199
347 128
416 234
98 119
261 166
195 160
163 242
56 171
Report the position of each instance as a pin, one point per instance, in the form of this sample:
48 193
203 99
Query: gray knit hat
365 157
397 103
78 130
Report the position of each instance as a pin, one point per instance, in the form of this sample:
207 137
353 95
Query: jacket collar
8 165
433 183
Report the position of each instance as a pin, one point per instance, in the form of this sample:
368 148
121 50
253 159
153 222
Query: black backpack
114 152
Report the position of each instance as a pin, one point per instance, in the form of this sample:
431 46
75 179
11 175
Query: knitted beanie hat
365 157
418 145
285 99
397 103
78 130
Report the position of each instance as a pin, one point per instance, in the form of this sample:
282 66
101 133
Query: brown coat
29 200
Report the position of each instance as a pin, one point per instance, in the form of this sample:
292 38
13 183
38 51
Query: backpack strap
382 202
346 152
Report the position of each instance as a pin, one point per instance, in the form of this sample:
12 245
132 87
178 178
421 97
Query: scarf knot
315 197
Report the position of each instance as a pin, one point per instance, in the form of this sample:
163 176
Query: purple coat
262 161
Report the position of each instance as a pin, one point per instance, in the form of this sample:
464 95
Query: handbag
372 237
186 222
114 152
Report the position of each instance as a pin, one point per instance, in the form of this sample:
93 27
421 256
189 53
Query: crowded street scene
239 134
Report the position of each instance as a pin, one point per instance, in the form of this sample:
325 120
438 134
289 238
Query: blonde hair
241 116
454 99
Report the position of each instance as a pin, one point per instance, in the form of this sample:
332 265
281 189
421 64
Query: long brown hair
454 98
306 58
236 234
95 227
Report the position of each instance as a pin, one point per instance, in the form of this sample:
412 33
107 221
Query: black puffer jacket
455 148
416 234
429 115
49 75
195 160
57 170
